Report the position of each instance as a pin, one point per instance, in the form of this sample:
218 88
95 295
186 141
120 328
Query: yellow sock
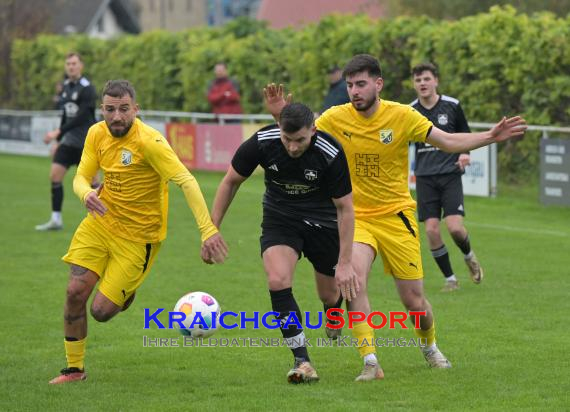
75 353
361 331
427 336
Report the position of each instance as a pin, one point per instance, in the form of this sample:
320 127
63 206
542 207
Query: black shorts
319 244
67 155
439 193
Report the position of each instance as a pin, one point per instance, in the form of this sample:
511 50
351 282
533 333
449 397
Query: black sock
56 196
338 305
441 257
464 245
283 302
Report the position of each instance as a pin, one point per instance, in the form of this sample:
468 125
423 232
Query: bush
498 63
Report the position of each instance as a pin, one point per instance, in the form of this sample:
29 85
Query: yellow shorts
121 264
396 238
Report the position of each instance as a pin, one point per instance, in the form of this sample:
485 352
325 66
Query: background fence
204 141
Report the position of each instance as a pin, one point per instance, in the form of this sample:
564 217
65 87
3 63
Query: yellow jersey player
375 135
117 243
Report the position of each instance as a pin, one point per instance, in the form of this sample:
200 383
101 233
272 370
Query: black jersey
78 100
297 188
448 116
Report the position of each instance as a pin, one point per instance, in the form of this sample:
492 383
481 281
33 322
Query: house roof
81 15
296 13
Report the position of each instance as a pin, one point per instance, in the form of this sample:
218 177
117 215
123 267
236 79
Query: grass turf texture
506 338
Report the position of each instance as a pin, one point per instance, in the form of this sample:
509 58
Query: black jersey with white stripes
448 116
299 188
79 99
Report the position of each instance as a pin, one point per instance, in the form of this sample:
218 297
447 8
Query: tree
455 9
18 19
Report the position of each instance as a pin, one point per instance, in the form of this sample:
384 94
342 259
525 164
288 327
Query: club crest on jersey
310 174
386 136
126 157
74 96
442 119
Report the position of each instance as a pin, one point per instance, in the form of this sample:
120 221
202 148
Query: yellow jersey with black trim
377 152
137 169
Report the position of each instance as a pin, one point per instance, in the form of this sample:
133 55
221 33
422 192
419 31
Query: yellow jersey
137 169
377 152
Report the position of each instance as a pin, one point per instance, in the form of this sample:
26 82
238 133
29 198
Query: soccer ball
198 302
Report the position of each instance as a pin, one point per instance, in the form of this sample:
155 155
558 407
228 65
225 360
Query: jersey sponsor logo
70 109
442 119
273 167
126 157
386 136
113 182
310 174
295 188
367 164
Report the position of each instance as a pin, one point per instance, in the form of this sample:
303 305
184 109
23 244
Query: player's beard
364 104
123 132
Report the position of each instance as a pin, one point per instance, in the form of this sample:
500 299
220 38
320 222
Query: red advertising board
182 138
215 145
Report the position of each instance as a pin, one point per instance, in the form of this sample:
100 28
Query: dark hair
119 88
362 63
71 54
425 67
295 116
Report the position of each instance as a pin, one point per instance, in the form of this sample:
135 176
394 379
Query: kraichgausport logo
272 320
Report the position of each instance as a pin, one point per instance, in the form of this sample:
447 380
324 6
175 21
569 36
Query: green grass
507 338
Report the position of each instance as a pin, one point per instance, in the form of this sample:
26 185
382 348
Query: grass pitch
507 338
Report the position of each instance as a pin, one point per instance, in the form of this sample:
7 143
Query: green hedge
498 63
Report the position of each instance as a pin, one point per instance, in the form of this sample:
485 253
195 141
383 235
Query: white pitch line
518 229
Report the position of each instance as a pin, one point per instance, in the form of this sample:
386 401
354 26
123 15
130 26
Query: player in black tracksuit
78 99
307 210
438 176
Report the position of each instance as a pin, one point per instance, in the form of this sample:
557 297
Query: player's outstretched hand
347 281
94 204
275 100
214 249
509 128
